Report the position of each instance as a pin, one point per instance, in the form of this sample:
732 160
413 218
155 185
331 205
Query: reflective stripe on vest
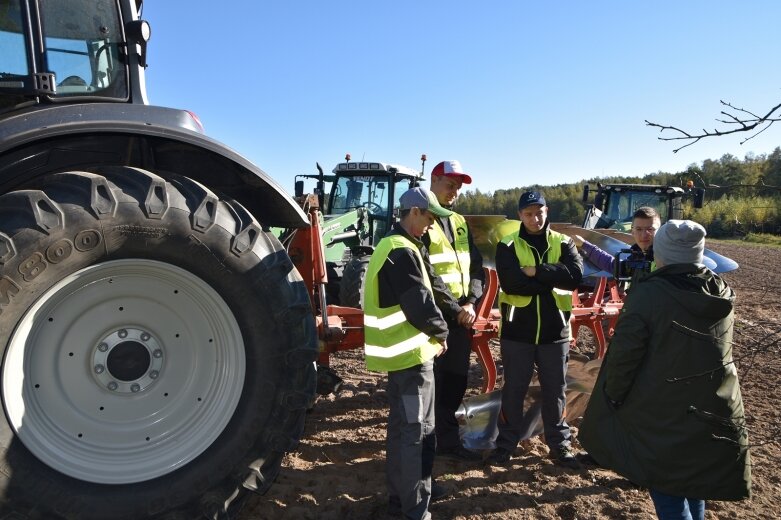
451 263
391 343
526 257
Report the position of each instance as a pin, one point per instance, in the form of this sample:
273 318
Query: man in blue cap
538 268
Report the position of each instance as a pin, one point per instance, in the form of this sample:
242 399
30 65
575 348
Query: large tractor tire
352 285
158 349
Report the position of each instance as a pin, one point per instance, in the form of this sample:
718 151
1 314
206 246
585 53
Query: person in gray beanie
679 242
666 411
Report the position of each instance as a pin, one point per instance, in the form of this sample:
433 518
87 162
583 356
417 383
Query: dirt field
337 471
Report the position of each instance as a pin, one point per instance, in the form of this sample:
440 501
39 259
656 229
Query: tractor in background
608 219
354 215
614 204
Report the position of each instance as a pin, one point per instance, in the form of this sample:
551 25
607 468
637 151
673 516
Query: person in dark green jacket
666 411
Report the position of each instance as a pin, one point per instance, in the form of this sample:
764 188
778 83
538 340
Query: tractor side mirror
299 189
138 32
585 194
699 197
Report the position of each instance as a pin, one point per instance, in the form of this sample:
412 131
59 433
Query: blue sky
520 92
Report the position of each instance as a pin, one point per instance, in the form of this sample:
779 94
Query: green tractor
359 210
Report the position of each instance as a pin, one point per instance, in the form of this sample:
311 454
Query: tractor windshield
621 205
80 55
82 47
369 191
13 58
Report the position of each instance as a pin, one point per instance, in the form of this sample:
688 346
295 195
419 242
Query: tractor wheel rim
123 371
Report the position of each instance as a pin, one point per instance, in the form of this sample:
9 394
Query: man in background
457 261
645 222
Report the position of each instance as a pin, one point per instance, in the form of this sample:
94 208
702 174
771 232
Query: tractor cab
357 212
614 204
361 206
373 187
68 51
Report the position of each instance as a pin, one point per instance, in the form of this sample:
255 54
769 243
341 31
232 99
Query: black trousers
450 378
519 360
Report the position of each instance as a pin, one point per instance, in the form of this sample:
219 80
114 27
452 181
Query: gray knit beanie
679 242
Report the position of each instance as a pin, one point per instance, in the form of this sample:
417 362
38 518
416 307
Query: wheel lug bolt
103 347
135 387
122 333
153 374
112 386
157 353
99 369
145 336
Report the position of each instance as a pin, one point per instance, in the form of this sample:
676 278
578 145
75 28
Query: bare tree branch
745 120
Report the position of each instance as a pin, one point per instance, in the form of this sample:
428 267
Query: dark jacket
606 262
565 274
666 411
401 282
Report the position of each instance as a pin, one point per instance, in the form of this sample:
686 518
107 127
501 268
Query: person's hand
467 316
529 271
578 241
443 349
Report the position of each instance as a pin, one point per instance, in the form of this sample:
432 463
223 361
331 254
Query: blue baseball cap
529 198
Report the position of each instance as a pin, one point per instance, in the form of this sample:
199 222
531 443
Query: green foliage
743 197
763 238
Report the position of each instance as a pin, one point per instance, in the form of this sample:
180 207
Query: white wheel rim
165 408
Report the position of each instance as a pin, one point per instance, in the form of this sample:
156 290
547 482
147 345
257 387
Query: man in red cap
459 264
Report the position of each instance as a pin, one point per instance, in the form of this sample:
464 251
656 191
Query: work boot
499 457
438 492
459 453
563 456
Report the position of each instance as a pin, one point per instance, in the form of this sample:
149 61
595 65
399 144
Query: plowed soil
337 472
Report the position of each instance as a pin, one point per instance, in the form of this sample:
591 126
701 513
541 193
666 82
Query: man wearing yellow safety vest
405 331
458 262
538 268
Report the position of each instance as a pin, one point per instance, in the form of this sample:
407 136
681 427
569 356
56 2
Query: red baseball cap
451 169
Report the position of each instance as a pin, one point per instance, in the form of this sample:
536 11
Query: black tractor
158 343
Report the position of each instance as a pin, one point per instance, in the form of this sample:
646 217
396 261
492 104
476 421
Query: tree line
742 195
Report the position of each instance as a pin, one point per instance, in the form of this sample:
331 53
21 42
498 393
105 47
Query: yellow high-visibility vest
391 342
451 262
526 256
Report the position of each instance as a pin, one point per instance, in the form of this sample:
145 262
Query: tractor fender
38 142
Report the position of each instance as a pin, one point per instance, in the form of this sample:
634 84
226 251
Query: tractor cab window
82 47
13 58
80 51
370 192
401 186
621 205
